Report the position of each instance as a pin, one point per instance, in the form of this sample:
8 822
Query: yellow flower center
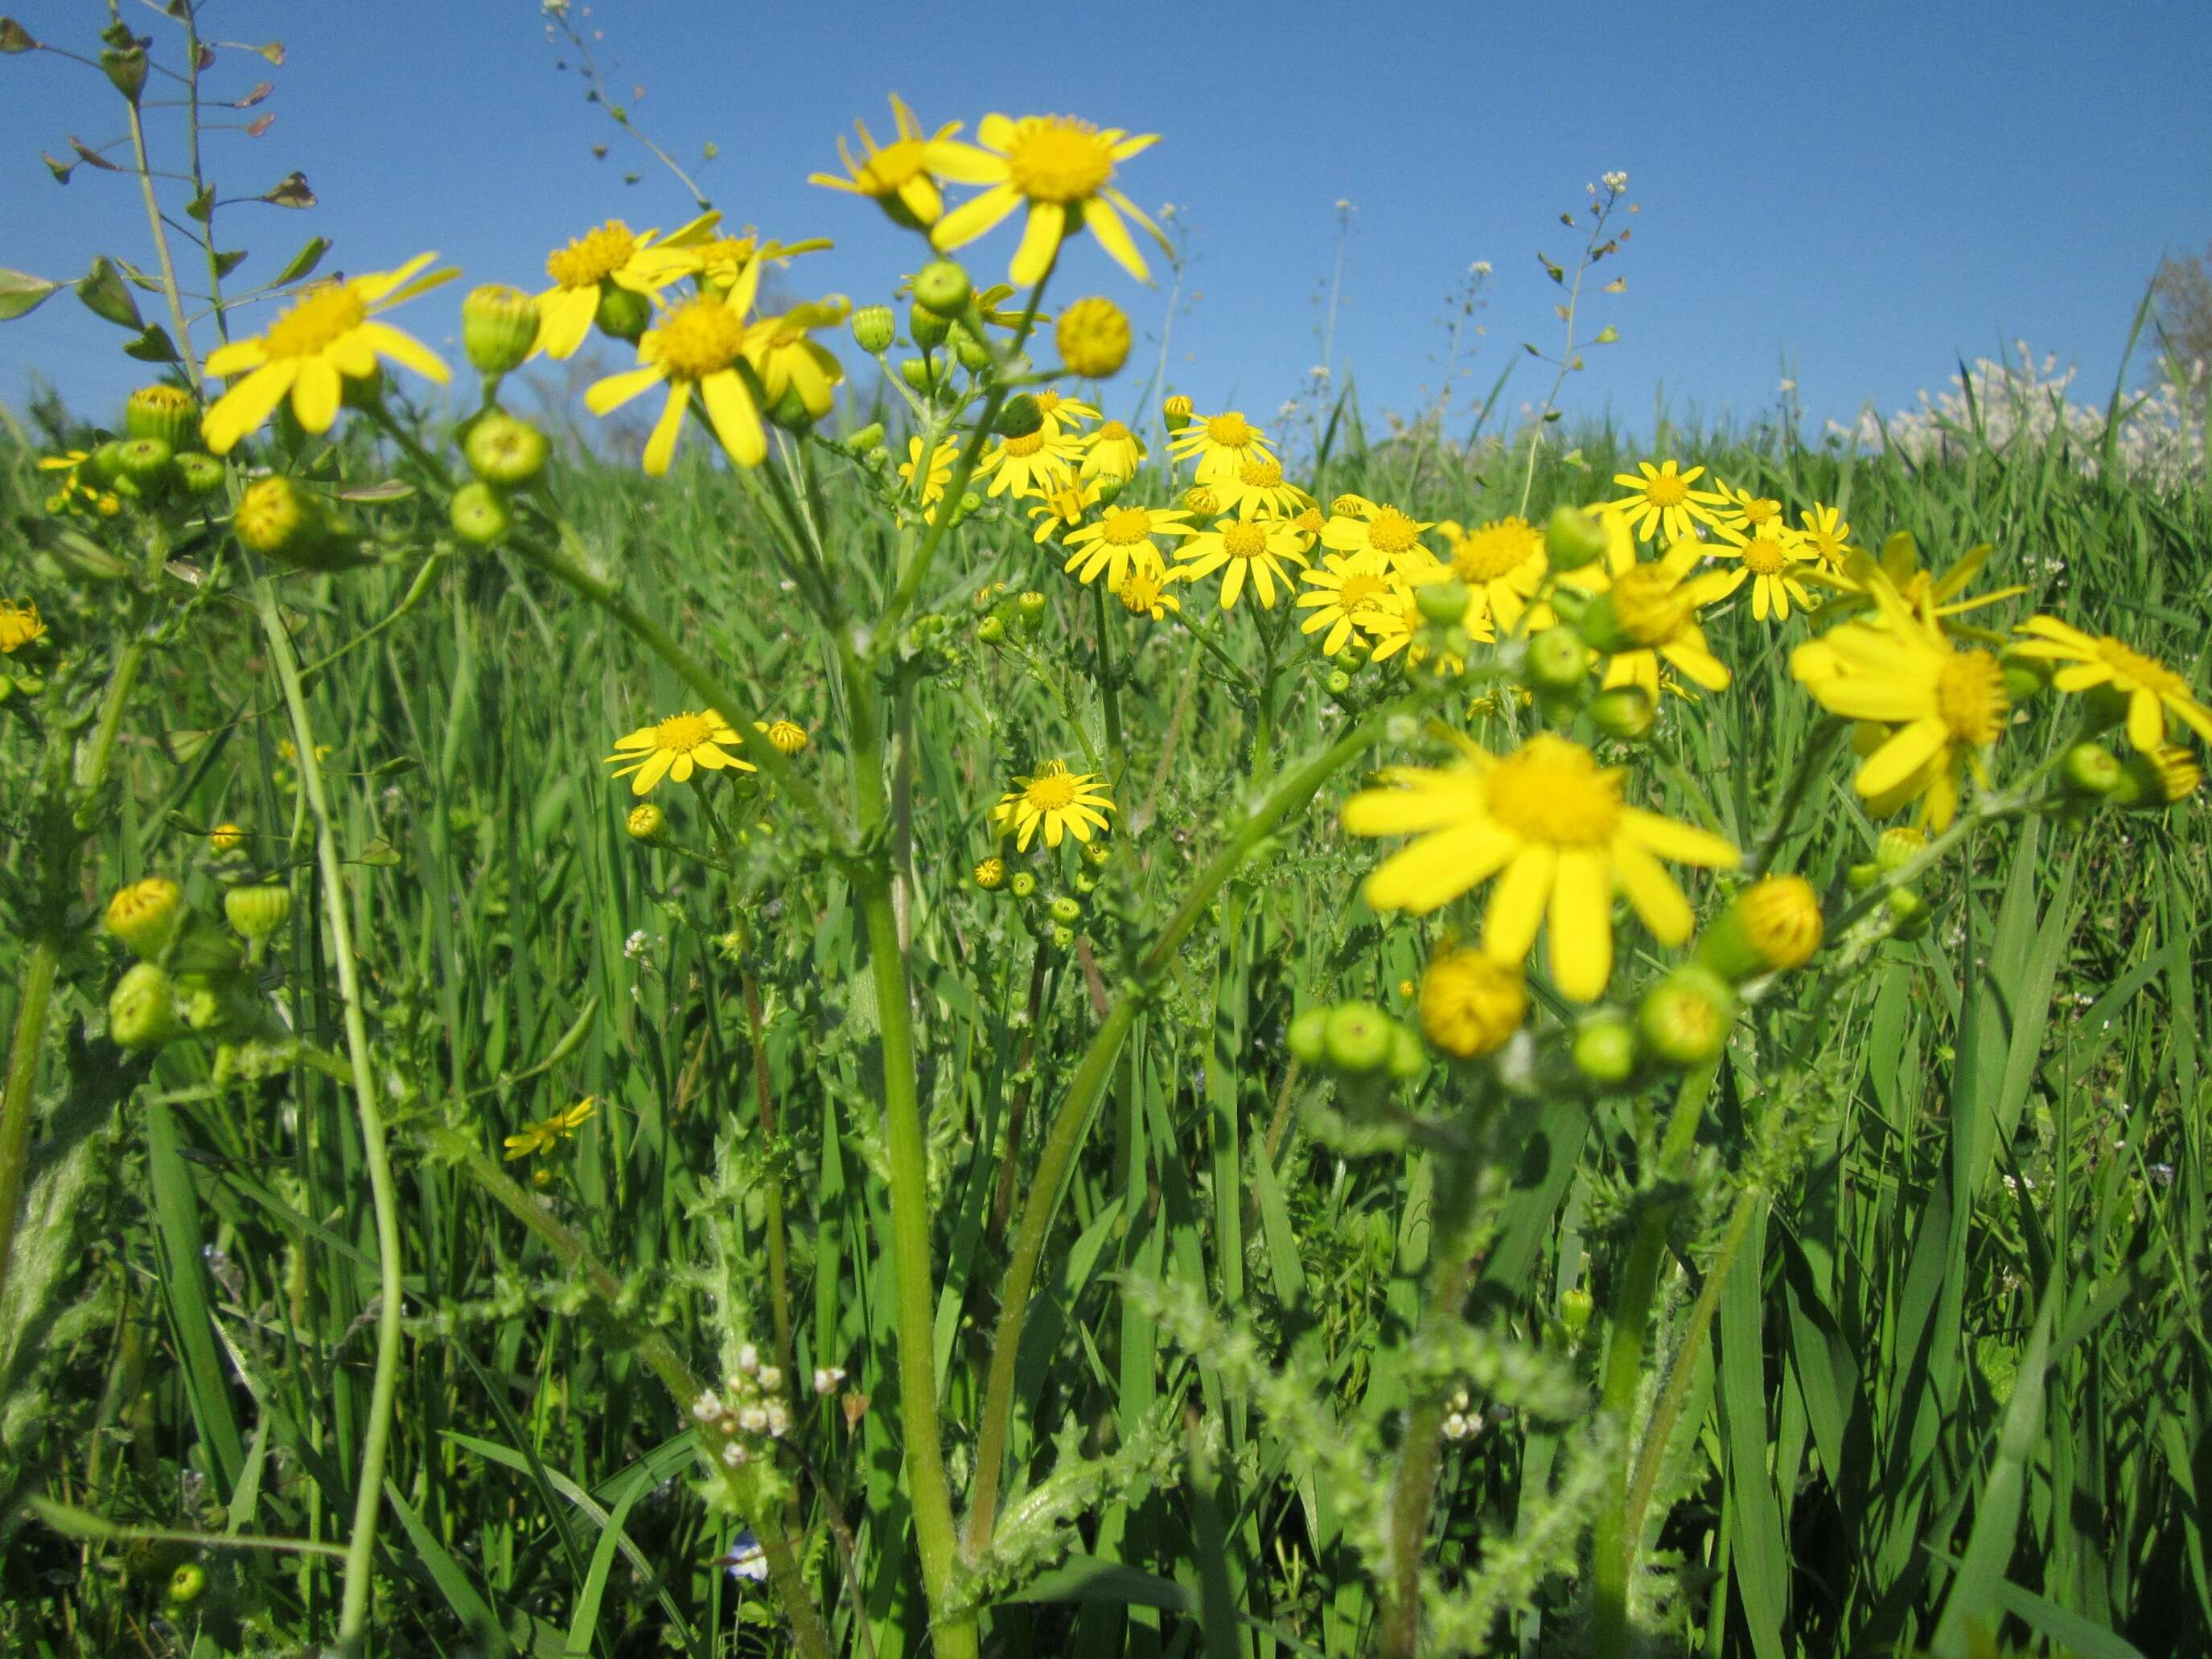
1310 521
1553 792
316 322
1126 526
1391 532
1970 697
1763 557
1231 431
2146 672
1049 400
1055 158
698 338
1139 592
679 735
1050 792
1245 540
1648 605
1667 490
589 259
1758 513
1258 474
1360 587
1494 550
727 250
1028 444
1113 433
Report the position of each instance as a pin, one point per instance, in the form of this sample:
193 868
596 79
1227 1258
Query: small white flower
735 1455
771 1377
827 1377
1616 182
706 1407
753 1419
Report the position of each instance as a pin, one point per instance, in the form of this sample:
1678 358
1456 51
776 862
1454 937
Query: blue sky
1863 192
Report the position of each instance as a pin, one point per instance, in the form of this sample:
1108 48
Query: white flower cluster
1462 1418
2024 403
750 1407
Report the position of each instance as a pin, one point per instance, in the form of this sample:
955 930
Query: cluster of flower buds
1020 614
1905 914
1463 1418
750 1408
191 976
1361 1046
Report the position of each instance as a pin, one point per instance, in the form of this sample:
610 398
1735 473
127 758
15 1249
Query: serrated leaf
304 261
229 260
20 294
291 192
154 346
104 296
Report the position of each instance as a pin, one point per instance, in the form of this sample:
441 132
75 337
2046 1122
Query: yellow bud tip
1470 1004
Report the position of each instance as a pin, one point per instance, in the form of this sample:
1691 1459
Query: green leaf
229 261
153 345
304 261
104 294
378 854
21 293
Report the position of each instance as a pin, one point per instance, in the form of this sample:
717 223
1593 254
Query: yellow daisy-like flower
939 472
329 334
1933 598
643 262
1121 540
1064 803
1502 564
901 176
1221 444
1344 591
1653 606
19 625
1765 558
786 360
1942 706
696 346
1550 824
1377 527
1062 510
1749 513
1256 490
544 1137
1145 593
1261 550
1062 414
1661 502
2151 689
723 259
1112 451
676 748
1035 463
1064 169
1827 534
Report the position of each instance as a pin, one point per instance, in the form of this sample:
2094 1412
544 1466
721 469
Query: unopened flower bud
874 328
146 915
1063 937
1572 538
1024 885
105 462
942 286
1093 338
2151 782
1576 1307
1471 1003
1066 910
144 462
1338 682
187 1584
227 837
1176 411
479 515
1773 925
255 913
499 328
1605 1048
1021 415
276 517
868 439
1308 1036
1557 660
166 412
1910 916
647 823
2089 771
198 474
1899 847
141 1009
926 328
1444 604
974 354
1685 1017
1200 499
991 630
991 874
1030 604
2024 675
624 314
504 451
1626 711
1358 1038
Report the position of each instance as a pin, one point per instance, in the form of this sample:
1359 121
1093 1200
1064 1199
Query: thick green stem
383 1387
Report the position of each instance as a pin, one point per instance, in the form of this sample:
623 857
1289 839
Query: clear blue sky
1868 190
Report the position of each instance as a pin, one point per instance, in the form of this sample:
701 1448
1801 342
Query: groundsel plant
1473 731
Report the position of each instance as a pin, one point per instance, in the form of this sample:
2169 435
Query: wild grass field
826 1193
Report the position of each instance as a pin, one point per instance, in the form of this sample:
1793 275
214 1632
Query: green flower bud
187 1584
1899 847
105 462
1063 937
1308 1036
874 328
1860 877
2024 675
919 373
973 354
1557 660
146 915
941 286
1030 604
1572 538
925 328
991 630
1110 486
1406 1059
1910 916
1338 682
166 412
1685 1017
1576 1307
499 327
1774 925
276 517
1096 852
1066 910
790 411
647 823
1625 712
991 874
1605 1048
1358 1038
479 515
621 313
867 440
1086 884
1444 605
1021 415
141 1009
145 462
255 913
2090 771
1175 412
1024 885
504 451
199 474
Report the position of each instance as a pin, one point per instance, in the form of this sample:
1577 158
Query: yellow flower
1145 593
1066 803
1112 451
901 176
1653 606
2151 689
1931 598
1256 489
1502 564
1661 502
19 625
72 485
1749 512
1346 592
785 737
1827 534
723 259
1064 169
1036 463
1550 824
1259 548
1221 443
227 837
941 468
1121 540
329 334
1062 510
1093 338
1764 557
1470 1003
675 747
786 360
544 1137
1062 414
644 263
1942 707
1375 528
694 346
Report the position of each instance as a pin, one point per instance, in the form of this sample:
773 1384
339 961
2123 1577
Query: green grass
1957 1379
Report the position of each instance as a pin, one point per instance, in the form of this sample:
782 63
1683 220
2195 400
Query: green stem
169 285
1810 760
779 1268
1292 790
383 1388
1110 694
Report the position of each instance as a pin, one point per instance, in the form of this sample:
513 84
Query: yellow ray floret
1064 803
676 748
1063 168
